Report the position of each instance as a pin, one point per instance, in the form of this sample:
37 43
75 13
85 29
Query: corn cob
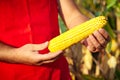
76 34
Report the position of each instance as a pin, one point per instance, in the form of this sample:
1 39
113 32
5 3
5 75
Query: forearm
70 13
7 53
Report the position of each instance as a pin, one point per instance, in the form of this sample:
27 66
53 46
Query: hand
97 41
28 54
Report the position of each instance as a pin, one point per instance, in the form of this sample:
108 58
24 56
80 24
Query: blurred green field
104 65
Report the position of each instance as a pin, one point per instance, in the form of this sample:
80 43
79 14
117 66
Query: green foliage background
92 8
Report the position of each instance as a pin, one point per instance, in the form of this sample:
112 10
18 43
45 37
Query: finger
96 50
104 34
95 42
90 45
50 56
84 42
87 42
100 38
45 62
37 47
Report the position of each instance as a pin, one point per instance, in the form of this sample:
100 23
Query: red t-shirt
30 21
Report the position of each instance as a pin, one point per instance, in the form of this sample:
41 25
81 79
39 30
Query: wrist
7 53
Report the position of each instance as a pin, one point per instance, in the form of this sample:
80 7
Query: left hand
96 41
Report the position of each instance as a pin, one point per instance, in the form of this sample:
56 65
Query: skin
28 54
72 17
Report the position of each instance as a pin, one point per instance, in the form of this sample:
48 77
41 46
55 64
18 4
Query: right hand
96 41
29 54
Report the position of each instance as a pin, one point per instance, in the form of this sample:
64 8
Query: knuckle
103 42
102 31
98 46
91 37
91 48
95 32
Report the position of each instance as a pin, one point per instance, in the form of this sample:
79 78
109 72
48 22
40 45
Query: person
26 26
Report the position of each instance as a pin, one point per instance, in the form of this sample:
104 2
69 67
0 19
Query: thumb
41 46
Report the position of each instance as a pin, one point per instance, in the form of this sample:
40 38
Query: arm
70 13
27 54
72 16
